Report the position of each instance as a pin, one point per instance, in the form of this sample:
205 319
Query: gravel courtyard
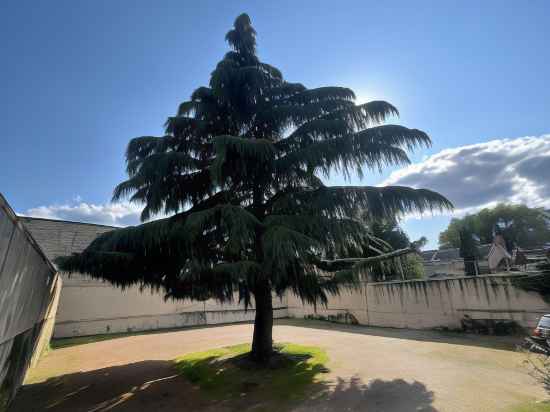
371 369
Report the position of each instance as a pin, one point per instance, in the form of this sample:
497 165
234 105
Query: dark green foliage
239 167
468 244
535 283
469 251
520 225
538 282
413 266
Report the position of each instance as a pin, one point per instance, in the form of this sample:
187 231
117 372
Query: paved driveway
372 369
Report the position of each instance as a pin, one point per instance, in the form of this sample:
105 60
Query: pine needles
240 169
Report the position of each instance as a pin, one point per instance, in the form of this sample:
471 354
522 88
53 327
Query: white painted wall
424 304
90 307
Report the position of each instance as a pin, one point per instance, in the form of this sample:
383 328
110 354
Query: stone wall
89 307
29 286
425 304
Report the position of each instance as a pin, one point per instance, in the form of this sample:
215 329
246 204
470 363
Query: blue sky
80 78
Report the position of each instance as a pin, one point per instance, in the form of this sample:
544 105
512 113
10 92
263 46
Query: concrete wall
88 306
422 304
453 267
28 289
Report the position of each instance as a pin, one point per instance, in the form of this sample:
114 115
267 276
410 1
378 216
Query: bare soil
371 369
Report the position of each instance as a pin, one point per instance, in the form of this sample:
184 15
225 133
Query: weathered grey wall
419 304
88 306
28 288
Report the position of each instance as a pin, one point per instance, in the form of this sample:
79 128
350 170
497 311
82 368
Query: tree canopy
520 225
240 168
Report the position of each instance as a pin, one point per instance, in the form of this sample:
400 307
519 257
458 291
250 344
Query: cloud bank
472 177
112 214
481 175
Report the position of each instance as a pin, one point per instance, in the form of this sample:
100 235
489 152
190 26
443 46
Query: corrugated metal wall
28 288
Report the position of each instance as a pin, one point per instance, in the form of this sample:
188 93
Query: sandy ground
372 369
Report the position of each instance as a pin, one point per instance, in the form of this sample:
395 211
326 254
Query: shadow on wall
155 386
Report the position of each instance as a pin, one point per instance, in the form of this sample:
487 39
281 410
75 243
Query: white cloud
472 177
481 175
114 214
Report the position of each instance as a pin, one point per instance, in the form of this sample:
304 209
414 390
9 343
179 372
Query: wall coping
74 222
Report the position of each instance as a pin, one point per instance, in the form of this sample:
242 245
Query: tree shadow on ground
156 386
141 386
375 396
509 343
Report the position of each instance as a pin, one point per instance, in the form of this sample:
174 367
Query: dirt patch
371 369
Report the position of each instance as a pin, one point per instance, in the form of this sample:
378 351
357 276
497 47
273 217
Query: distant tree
239 167
450 237
520 225
420 243
413 266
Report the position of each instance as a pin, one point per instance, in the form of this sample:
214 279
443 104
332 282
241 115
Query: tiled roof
448 254
62 238
428 254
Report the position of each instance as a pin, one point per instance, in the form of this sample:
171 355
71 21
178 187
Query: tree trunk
262 341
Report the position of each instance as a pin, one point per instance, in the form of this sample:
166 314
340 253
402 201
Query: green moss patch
532 407
60 343
226 373
82 340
